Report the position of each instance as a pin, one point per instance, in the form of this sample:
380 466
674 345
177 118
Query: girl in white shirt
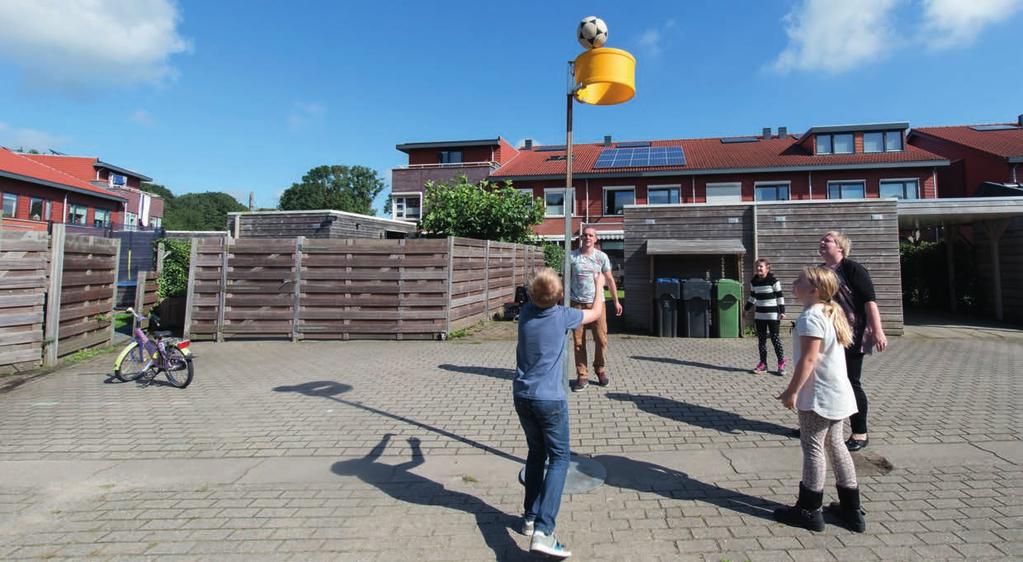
821 391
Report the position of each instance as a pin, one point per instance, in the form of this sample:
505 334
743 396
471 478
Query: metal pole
567 265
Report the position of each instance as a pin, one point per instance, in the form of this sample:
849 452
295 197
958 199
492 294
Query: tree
200 211
487 211
342 188
157 189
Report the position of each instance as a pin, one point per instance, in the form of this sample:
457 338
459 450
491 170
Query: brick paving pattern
330 404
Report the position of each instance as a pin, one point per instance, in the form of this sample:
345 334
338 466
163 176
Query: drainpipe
587 201
65 208
934 177
694 187
1014 180
809 183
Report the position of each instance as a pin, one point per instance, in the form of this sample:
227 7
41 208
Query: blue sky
247 96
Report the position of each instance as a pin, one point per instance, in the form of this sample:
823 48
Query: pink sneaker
781 367
760 369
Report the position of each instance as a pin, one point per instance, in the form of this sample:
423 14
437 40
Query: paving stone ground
384 451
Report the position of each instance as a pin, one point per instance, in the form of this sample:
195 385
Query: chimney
783 132
607 138
767 133
528 145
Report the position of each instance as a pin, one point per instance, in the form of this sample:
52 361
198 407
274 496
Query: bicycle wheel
179 368
132 363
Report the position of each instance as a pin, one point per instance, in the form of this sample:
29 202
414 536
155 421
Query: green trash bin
727 308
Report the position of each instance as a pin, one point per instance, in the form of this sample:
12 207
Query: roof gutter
1016 159
55 185
447 144
125 171
709 171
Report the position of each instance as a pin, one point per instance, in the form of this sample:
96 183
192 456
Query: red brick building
34 194
141 210
978 154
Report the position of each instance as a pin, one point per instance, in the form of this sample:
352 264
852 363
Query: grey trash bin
696 305
666 294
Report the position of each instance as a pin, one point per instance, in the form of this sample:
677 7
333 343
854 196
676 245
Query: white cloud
952 23
836 36
141 117
304 114
83 46
652 41
21 138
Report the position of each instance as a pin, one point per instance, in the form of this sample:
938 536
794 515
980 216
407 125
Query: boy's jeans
545 423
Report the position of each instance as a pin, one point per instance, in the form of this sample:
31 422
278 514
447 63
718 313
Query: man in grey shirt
586 262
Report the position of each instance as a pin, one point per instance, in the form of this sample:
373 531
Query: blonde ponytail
826 283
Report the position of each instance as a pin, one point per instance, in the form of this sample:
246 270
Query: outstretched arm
417 456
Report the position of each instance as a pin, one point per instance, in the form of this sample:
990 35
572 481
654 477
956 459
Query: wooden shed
316 224
723 241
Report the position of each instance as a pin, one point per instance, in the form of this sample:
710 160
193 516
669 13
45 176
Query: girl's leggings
822 442
763 327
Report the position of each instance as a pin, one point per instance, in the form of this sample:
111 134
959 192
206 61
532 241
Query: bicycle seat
162 333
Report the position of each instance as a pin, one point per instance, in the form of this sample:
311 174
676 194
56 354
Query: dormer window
835 144
882 141
450 157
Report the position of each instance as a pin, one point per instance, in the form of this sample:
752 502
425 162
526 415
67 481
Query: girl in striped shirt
767 305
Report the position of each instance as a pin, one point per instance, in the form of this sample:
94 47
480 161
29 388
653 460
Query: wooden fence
303 288
24 258
57 295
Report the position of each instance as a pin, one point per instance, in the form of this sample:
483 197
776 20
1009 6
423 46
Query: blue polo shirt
540 355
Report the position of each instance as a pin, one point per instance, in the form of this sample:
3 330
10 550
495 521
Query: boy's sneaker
549 545
781 367
760 369
528 527
580 384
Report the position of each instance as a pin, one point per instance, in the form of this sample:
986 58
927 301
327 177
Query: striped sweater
765 295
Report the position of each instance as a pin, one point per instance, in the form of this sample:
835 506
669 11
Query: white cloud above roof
953 23
836 36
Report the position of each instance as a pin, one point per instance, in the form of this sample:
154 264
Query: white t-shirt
584 267
827 392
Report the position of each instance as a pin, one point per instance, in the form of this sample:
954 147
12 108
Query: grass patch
469 479
86 354
466 331
607 294
122 320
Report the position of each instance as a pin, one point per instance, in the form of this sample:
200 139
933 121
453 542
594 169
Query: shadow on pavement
684 363
399 482
331 389
503 374
701 416
644 476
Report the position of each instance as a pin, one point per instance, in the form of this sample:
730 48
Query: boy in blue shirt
539 393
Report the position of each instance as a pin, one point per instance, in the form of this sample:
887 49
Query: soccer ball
592 32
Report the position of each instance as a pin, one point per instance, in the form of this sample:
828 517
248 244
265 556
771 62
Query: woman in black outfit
856 296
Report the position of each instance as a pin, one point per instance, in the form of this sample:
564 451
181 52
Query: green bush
554 256
174 277
925 276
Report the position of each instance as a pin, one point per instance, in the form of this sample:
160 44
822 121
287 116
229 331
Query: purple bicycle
150 353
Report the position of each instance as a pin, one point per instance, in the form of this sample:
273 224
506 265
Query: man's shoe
848 510
580 384
760 369
602 379
806 513
528 526
547 544
857 444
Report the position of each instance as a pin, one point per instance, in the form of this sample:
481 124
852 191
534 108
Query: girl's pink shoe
760 369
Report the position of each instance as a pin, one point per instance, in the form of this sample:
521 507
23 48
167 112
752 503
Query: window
900 189
663 195
131 221
554 201
407 207
724 193
823 144
844 144
118 179
873 142
450 157
10 205
893 141
101 218
529 193
845 190
772 192
77 214
616 198
38 209
155 222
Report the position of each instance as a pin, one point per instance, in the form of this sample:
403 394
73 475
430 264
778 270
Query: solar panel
634 144
641 157
548 147
733 140
994 127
